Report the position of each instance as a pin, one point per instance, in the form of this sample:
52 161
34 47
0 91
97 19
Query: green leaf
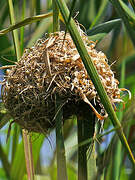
128 11
2 174
104 27
124 17
92 169
5 162
85 131
25 22
36 146
71 172
18 166
123 175
15 32
97 37
100 13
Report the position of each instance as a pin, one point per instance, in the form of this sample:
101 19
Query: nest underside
54 67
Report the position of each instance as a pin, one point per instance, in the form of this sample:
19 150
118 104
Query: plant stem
86 128
82 156
60 148
55 17
28 155
118 153
22 28
15 33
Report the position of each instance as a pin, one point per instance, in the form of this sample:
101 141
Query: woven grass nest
53 66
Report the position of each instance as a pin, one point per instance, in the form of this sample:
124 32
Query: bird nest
53 67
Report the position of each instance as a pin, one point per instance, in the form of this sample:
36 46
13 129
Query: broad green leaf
71 172
97 37
37 142
4 159
92 169
123 174
2 174
18 166
124 17
104 27
128 11
118 153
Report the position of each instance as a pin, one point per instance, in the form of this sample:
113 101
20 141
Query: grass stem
28 155
15 33
86 128
60 148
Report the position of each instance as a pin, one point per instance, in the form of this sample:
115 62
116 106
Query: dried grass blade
7 67
47 62
92 107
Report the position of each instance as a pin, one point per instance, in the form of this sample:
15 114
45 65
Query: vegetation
87 147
